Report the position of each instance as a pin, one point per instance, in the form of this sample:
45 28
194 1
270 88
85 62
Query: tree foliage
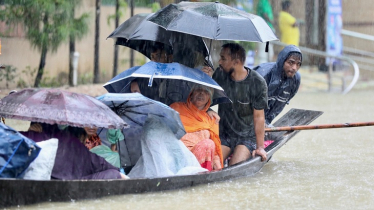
47 24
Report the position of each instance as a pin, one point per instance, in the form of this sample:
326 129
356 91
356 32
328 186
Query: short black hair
236 51
160 46
286 4
296 55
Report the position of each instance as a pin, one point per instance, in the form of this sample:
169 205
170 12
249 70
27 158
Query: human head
286 5
90 131
200 96
292 64
231 56
161 53
134 87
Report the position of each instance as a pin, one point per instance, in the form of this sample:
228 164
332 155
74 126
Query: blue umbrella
134 108
160 71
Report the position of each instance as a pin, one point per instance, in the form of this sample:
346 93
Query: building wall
17 52
358 16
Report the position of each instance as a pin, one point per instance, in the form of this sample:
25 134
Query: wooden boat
23 192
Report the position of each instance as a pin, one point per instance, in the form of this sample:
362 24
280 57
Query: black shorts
232 143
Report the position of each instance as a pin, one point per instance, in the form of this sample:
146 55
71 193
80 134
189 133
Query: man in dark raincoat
282 78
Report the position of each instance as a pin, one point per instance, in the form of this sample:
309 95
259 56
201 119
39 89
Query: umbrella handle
150 82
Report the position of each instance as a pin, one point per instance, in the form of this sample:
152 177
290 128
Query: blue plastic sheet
16 152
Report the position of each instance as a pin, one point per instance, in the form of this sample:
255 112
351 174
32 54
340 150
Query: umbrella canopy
141 35
55 106
160 71
134 108
213 20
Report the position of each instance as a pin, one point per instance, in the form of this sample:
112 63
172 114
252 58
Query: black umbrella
213 20
141 35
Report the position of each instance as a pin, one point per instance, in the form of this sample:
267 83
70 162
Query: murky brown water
317 169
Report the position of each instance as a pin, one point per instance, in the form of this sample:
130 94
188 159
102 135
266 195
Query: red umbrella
55 106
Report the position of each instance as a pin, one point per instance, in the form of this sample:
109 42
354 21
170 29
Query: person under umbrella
141 35
142 142
58 107
202 137
73 159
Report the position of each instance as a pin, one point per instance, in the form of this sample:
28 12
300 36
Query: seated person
161 53
175 90
202 137
73 159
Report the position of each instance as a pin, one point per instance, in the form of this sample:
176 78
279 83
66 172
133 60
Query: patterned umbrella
54 106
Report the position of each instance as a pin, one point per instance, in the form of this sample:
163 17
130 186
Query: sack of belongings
16 152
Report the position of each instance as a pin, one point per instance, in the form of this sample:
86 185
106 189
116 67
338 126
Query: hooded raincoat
281 89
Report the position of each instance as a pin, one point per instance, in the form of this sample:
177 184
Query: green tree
46 22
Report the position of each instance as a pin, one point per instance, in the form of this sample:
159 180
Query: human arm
259 126
260 104
213 115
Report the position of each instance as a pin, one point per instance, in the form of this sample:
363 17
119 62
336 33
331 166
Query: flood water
317 169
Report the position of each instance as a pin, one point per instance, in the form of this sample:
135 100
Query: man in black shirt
242 122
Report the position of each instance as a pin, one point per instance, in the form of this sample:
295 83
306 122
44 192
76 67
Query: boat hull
24 192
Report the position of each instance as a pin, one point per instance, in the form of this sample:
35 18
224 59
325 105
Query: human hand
207 70
216 163
123 176
213 115
261 152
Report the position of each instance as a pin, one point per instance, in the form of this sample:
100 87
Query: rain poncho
162 153
280 88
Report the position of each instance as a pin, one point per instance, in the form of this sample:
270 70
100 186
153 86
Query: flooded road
317 169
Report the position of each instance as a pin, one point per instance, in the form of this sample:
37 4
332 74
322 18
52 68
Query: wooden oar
311 127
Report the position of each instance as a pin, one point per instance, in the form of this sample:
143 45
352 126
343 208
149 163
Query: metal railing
365 58
330 71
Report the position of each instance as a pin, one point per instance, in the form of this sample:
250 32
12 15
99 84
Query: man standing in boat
282 78
242 122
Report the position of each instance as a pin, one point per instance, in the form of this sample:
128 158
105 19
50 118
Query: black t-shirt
246 95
